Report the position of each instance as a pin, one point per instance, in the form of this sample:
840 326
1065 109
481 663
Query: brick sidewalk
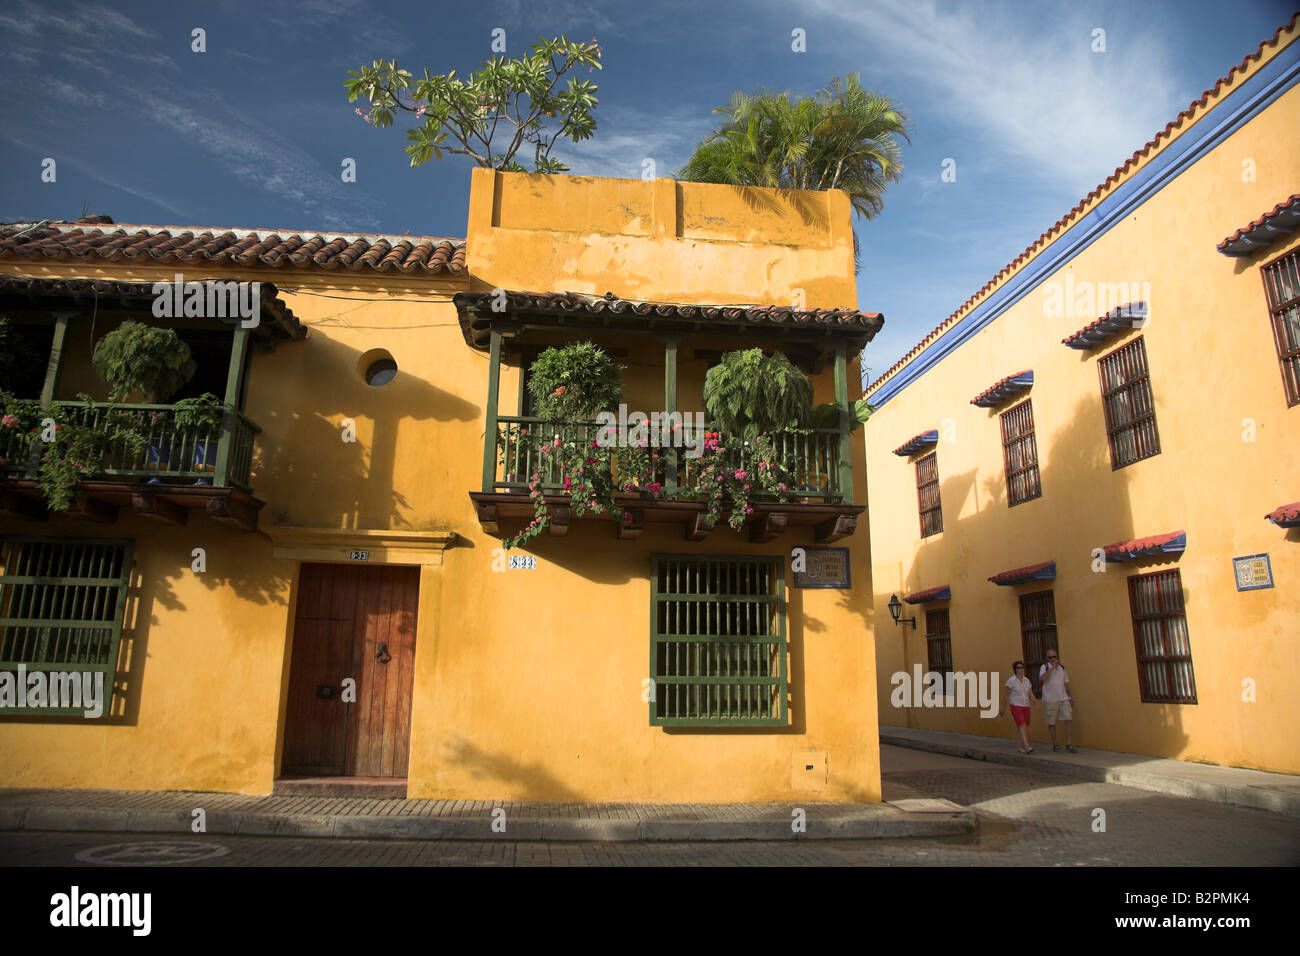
173 812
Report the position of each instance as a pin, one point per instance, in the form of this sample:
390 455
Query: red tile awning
941 593
1287 516
999 392
915 444
1129 316
1034 572
1281 219
1169 543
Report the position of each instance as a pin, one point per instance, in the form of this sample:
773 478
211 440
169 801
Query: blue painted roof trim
1244 103
1012 386
1169 547
916 444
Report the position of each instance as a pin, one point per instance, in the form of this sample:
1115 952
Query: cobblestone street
1026 817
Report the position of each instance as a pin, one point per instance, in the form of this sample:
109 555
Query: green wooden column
53 366
490 426
846 445
670 405
234 379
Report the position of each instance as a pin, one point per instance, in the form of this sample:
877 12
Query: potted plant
200 417
747 393
152 361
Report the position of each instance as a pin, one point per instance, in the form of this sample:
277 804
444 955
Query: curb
883 823
1255 798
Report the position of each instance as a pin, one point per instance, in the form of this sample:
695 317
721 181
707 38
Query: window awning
1169 543
1001 391
1034 572
913 445
1287 516
941 593
1281 219
1108 326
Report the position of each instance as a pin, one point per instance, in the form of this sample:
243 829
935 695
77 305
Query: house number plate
358 555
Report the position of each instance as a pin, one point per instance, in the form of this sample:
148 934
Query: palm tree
842 137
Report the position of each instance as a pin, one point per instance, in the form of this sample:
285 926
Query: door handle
383 656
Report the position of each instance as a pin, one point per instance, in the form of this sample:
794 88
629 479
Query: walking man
1056 699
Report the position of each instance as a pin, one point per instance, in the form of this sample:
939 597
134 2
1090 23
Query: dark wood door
359 622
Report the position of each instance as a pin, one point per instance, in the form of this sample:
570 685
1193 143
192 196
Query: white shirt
1020 689
1054 686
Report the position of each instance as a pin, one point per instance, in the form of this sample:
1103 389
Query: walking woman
1019 692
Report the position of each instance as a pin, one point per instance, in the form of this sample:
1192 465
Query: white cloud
1027 84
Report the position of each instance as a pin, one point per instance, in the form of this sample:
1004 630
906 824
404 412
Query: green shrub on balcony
142 358
574 382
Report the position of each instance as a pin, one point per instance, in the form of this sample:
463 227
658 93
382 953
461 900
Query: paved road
1025 817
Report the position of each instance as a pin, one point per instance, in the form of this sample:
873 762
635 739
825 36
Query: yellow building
317 587
1083 455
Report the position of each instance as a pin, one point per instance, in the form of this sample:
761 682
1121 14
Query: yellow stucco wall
1214 372
527 683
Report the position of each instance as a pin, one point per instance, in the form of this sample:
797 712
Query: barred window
1164 649
62 602
1037 632
1282 284
927 493
717 642
1129 404
1020 454
938 641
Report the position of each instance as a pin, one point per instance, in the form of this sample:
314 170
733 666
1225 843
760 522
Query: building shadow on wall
498 769
314 478
1082 493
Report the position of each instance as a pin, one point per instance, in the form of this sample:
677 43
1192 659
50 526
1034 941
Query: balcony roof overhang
1283 219
518 312
277 321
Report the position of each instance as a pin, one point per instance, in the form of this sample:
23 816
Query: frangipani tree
506 107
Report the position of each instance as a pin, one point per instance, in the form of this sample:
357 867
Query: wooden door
352 621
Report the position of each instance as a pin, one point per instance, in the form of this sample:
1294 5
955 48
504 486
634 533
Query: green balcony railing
809 457
221 454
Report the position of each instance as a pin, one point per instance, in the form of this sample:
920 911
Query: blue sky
252 132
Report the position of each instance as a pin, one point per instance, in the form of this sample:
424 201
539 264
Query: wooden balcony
810 458
176 472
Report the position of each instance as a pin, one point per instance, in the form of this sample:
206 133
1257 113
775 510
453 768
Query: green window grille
62 602
717 642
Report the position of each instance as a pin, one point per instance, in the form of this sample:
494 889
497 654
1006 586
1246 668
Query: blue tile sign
1253 572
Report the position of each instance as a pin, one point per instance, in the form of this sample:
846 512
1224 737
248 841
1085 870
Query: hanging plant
142 358
74 450
747 393
574 382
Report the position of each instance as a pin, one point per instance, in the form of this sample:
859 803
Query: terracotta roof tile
1155 143
1129 316
941 593
98 238
1287 516
282 322
917 442
1000 391
1172 542
849 321
1282 218
1045 571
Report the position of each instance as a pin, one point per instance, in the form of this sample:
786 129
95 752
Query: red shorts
1020 715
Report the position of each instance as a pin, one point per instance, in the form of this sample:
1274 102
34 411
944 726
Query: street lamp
896 608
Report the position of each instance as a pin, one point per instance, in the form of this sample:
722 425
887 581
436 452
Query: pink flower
358 111
749 511
10 421
568 483
595 444
556 443
368 119
559 390
591 460
782 486
740 475
654 487
746 487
